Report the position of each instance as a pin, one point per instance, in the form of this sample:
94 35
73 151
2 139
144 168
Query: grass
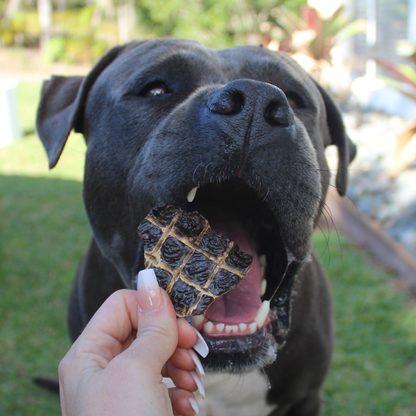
374 364
44 232
27 94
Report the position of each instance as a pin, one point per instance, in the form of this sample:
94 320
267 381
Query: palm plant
404 81
310 37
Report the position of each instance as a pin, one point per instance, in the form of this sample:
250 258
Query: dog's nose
227 101
252 96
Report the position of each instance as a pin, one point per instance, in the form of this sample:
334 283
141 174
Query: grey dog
246 128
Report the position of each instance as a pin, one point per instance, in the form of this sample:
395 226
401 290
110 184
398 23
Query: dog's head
245 126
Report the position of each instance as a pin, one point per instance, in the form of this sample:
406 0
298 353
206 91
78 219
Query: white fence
9 124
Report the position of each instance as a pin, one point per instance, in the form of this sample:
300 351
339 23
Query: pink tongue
241 303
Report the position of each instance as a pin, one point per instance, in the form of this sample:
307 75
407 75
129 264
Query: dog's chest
235 395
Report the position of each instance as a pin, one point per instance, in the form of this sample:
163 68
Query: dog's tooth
262 313
197 320
242 327
234 328
220 327
263 286
191 194
228 328
253 327
208 327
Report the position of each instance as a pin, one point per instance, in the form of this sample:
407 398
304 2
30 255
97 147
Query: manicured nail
199 369
194 405
148 290
201 346
199 384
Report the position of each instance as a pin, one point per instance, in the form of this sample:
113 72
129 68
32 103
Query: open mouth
246 326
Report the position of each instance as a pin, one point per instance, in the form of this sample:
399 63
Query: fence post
9 123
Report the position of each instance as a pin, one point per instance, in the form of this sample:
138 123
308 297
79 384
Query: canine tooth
197 319
191 195
253 327
208 327
262 313
242 327
220 327
228 328
263 286
234 328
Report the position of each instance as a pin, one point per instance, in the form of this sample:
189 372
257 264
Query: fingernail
194 405
148 290
201 346
199 384
199 369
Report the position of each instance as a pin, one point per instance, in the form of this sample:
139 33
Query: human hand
108 371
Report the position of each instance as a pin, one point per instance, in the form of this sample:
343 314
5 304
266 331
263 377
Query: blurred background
362 51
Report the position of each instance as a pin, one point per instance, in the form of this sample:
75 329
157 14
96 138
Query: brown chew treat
192 262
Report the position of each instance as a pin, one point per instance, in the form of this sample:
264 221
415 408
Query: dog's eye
295 100
292 102
154 90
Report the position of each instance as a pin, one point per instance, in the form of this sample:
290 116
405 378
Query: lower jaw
271 334
234 344
241 354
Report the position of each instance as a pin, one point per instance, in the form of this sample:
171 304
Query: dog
246 128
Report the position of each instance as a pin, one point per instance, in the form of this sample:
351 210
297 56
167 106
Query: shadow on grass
44 232
43 235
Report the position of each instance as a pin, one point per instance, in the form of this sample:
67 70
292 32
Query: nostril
227 103
278 114
238 99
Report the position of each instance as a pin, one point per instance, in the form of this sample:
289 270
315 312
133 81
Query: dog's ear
61 106
346 148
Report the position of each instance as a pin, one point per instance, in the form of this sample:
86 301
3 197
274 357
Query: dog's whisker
267 378
267 193
330 226
193 175
344 196
73 149
332 172
326 237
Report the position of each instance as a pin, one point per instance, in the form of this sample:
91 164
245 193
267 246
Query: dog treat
192 262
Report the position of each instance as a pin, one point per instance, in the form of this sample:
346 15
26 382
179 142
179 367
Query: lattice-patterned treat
192 262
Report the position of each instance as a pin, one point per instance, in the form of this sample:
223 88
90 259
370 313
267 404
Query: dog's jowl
247 127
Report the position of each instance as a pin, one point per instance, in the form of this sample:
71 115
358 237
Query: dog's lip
235 344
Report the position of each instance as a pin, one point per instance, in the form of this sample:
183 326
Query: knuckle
156 330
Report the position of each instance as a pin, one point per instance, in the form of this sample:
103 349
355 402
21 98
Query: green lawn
44 232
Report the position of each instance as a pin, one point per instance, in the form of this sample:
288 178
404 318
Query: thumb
157 329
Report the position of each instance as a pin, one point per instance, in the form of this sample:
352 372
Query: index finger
187 336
